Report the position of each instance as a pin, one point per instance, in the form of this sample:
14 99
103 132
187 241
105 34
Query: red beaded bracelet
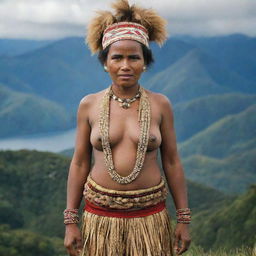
71 216
183 215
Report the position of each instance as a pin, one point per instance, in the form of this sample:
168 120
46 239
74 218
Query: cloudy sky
51 19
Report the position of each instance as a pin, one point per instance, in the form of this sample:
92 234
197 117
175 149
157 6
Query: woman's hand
182 238
73 240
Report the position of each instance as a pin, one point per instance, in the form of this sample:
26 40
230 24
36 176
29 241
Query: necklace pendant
125 105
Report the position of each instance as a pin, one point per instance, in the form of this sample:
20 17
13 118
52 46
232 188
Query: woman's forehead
125 45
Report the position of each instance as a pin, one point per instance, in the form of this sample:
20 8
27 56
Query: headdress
127 22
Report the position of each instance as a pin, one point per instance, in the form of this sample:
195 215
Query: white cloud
41 19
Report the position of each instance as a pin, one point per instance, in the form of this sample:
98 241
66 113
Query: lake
53 142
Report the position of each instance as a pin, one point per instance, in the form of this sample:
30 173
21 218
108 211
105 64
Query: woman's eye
116 57
135 57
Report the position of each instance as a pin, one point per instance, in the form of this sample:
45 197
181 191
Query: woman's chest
124 128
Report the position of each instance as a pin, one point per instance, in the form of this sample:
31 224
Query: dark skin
125 64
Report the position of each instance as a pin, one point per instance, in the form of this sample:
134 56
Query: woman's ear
105 68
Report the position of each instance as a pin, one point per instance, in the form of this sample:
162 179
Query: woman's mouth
125 76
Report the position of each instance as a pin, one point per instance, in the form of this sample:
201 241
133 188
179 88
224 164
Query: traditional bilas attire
127 223
117 222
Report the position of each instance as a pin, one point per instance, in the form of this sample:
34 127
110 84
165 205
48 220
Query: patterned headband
125 30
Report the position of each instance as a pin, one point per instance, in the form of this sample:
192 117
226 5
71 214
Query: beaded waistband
124 200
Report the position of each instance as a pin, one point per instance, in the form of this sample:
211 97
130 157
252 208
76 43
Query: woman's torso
124 134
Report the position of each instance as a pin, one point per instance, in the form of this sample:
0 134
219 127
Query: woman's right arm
78 172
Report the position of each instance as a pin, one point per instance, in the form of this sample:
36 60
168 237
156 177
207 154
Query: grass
198 251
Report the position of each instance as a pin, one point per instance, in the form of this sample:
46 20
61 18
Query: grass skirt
126 223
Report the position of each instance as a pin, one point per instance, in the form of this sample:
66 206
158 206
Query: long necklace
124 103
144 117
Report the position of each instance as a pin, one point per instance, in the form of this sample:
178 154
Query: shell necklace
124 103
144 118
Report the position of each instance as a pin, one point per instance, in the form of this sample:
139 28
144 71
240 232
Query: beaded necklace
124 103
144 118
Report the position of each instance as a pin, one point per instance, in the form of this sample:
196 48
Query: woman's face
125 62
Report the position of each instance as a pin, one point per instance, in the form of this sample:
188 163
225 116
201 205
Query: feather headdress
123 12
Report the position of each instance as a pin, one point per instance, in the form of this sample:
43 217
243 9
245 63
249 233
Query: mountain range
193 116
31 113
234 51
14 47
210 82
63 71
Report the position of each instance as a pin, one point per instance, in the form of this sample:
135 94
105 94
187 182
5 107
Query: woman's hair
124 12
147 54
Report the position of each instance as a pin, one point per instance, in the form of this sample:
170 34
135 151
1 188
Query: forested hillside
33 193
230 226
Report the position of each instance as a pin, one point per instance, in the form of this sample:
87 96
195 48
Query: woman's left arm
173 170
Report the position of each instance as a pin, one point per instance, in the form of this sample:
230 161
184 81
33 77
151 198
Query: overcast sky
51 19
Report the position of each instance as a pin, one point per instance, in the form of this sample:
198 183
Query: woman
123 126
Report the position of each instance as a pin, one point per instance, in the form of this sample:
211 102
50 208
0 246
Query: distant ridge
22 113
197 114
235 51
223 154
231 175
196 75
223 137
14 47
62 71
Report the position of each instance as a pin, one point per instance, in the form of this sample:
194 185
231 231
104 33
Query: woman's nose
125 64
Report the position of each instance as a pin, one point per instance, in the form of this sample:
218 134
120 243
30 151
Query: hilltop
231 226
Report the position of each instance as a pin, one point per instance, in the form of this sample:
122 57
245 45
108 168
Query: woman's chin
126 83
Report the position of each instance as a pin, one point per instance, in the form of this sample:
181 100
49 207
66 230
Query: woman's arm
173 170
170 158
78 172
81 161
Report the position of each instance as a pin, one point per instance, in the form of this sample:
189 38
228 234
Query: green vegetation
199 251
195 115
232 174
33 190
32 199
230 226
21 242
223 137
223 155
22 113
201 198
33 194
68 152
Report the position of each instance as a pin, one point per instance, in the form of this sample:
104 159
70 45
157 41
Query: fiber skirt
126 223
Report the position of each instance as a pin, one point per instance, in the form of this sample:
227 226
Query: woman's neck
125 92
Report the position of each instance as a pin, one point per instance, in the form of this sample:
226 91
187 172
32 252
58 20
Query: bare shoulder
161 99
90 99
